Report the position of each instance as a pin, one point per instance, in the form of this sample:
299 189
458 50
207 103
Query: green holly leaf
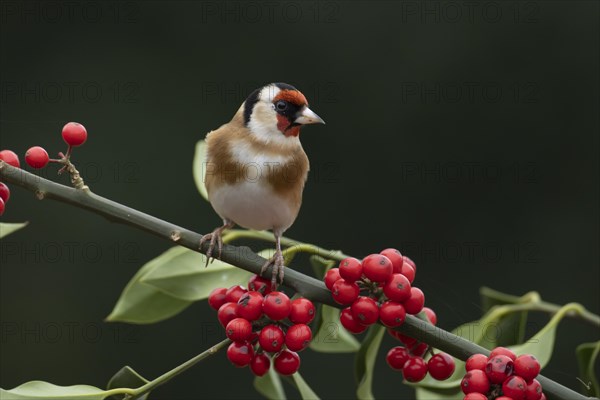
330 336
44 390
269 385
365 361
199 168
181 274
320 265
127 378
587 354
6 228
510 329
541 345
305 391
144 304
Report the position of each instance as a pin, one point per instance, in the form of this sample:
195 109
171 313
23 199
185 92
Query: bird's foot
215 238
277 261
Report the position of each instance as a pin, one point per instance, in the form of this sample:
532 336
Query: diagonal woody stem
245 258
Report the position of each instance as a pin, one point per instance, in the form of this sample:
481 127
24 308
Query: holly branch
243 257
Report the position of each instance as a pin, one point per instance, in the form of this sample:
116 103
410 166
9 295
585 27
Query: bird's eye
281 105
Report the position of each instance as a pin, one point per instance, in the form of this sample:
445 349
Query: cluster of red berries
414 367
258 321
386 276
4 196
73 133
502 376
408 357
10 158
379 288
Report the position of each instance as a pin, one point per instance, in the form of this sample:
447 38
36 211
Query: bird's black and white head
276 112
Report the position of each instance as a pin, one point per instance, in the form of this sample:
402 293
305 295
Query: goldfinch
256 167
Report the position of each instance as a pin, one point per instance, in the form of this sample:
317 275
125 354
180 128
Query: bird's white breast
252 205
243 154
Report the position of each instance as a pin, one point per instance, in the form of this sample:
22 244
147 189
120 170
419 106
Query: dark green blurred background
464 134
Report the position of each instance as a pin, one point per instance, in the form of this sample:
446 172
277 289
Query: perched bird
256 167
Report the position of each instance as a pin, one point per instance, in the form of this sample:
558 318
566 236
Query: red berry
475 396
527 367
287 362
9 157
406 340
397 288
475 381
350 269
4 192
74 134
226 313
414 304
331 277
238 329
392 314
534 390
476 361
298 337
259 284
249 306
36 157
498 368
503 351
302 312
430 314
410 262
240 353
419 350
396 259
397 357
441 366
377 268
393 333
408 271
277 306
2 206
543 397
350 323
271 338
414 369
365 310
216 298
504 398
344 292
260 364
514 387
234 293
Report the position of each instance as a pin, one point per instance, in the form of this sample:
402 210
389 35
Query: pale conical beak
307 116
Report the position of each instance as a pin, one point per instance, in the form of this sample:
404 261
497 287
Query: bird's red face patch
292 96
283 124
